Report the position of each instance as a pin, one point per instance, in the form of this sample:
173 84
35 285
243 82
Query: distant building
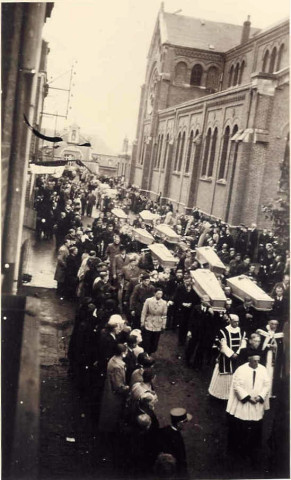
213 118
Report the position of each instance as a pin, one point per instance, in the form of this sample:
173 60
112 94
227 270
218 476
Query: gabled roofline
158 26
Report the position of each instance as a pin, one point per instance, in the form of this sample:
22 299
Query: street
69 442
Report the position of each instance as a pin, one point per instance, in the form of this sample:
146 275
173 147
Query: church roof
195 33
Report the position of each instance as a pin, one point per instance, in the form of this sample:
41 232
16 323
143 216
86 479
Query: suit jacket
183 296
171 441
107 344
249 325
119 262
203 326
130 362
139 296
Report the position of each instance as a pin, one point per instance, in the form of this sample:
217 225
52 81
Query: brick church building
213 117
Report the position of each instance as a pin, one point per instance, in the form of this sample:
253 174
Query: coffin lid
250 288
118 212
209 255
209 283
148 215
162 251
142 231
166 230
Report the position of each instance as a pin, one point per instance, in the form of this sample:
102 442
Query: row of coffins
204 279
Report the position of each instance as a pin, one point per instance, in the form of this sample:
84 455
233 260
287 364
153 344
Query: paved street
69 442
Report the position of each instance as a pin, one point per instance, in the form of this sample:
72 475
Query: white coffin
143 236
119 213
110 192
103 186
148 217
166 233
165 257
242 287
208 255
205 283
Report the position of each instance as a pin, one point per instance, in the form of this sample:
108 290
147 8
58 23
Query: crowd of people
126 299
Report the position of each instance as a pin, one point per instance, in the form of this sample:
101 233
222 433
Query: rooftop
198 33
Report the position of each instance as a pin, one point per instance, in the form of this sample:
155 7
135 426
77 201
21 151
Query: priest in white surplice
246 407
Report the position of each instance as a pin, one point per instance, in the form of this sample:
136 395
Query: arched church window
177 152
265 61
160 151
235 76
212 153
273 60
206 152
230 76
196 75
166 151
189 153
241 72
180 73
280 55
182 151
224 151
212 78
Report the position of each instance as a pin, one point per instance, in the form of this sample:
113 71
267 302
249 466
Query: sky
106 43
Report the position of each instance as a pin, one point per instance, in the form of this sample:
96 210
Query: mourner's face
159 294
227 291
279 291
273 325
179 275
187 282
146 282
234 322
254 361
255 342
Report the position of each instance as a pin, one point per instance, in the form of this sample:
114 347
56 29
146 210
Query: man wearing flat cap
170 439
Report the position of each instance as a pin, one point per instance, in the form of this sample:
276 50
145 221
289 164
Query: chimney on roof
162 7
246 30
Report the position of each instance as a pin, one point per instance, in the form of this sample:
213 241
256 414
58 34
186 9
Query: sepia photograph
145 329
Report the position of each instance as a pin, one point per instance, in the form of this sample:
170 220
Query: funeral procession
145 240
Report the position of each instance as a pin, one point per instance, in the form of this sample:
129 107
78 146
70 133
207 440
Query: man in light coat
153 320
246 407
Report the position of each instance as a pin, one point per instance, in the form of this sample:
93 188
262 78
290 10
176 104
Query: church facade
213 117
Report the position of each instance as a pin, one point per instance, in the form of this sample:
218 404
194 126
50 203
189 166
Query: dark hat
180 415
144 276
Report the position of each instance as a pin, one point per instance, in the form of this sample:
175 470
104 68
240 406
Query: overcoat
60 272
113 399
